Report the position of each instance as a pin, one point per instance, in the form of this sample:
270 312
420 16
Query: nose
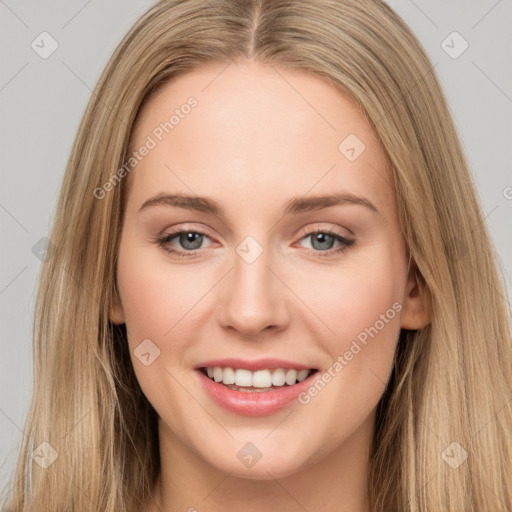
253 299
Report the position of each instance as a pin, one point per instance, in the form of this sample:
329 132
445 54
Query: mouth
265 380
254 391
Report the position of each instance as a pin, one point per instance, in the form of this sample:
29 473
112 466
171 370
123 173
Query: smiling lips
254 388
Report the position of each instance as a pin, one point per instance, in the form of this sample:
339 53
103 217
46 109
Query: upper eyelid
186 230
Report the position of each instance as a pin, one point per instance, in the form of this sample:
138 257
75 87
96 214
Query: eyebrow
295 205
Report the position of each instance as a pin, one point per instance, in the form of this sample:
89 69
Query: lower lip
256 403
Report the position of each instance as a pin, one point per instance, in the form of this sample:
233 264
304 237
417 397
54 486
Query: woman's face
290 258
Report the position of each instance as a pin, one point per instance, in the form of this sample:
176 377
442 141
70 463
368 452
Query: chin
275 465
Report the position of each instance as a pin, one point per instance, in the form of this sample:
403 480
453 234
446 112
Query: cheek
160 302
157 297
357 295
153 303
363 308
360 303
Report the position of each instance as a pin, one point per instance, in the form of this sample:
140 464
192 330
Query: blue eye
322 242
189 240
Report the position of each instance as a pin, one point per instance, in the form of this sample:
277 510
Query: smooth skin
257 138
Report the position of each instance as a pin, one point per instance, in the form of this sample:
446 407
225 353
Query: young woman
270 283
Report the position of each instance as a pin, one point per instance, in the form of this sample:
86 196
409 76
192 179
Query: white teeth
291 377
278 377
217 374
243 377
302 374
228 376
262 379
257 379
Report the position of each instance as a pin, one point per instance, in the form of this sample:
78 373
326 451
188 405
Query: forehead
257 130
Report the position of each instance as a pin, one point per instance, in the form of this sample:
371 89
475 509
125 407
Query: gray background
42 101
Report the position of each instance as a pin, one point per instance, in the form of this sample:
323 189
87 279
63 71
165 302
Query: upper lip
253 365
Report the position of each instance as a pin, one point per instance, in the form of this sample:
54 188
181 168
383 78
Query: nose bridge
253 298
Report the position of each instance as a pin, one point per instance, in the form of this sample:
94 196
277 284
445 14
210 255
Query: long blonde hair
449 393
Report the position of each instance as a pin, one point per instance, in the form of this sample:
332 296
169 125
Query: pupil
322 238
194 239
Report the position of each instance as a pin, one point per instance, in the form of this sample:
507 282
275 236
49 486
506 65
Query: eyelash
346 243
